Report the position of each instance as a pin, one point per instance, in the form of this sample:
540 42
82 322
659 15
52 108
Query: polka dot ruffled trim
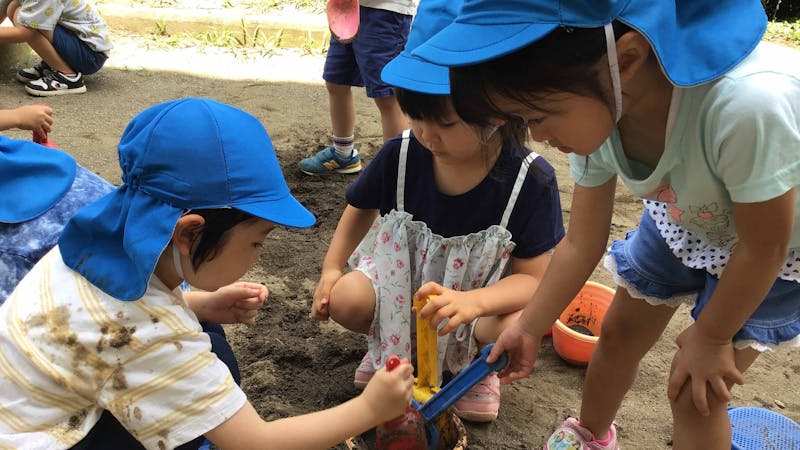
698 254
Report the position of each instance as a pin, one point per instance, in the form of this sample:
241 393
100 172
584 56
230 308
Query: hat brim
286 211
33 179
408 72
450 48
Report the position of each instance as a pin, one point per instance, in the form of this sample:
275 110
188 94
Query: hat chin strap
176 261
613 65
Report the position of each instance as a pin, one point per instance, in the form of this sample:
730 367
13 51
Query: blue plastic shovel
456 388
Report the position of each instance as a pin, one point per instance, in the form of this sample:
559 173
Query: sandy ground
291 364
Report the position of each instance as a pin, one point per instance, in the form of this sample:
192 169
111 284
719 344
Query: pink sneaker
572 436
481 403
364 372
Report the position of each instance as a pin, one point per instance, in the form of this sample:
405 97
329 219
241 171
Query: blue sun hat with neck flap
175 156
33 179
696 41
412 73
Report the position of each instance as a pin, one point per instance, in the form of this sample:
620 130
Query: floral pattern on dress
400 254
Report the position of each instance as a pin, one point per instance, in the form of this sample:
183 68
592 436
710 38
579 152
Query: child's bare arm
352 227
386 396
508 295
235 303
38 118
17 33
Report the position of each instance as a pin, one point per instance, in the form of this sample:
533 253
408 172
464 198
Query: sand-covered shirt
68 351
78 16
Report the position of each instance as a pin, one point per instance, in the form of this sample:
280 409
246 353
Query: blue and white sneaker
327 161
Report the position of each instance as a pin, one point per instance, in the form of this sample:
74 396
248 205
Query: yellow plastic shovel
427 381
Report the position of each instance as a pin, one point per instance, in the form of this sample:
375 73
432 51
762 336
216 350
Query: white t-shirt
68 351
407 7
78 16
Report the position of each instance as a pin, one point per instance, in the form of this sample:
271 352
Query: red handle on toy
391 362
42 139
405 432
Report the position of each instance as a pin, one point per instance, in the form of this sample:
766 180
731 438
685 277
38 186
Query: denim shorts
381 36
645 265
76 53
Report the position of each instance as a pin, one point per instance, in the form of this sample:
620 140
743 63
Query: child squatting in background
69 36
99 323
700 122
447 209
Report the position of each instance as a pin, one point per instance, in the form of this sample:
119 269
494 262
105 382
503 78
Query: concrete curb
288 30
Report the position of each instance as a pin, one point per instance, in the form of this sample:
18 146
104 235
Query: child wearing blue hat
683 102
450 210
40 189
98 332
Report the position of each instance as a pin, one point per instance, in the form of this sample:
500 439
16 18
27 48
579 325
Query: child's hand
37 118
235 303
522 348
388 394
319 309
458 307
703 361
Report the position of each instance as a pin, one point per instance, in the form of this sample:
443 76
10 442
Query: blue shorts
381 36
648 268
76 53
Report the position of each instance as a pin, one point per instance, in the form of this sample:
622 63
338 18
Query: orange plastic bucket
576 331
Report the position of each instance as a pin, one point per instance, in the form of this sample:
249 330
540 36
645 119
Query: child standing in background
381 36
448 210
98 333
69 36
702 123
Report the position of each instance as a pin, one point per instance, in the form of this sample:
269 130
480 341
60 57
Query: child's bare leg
630 328
342 109
691 430
10 12
352 302
393 121
42 43
489 328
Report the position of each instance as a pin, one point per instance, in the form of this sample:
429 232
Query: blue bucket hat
409 72
33 178
184 154
696 41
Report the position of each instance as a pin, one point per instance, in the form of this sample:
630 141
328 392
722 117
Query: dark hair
437 108
214 234
421 106
562 61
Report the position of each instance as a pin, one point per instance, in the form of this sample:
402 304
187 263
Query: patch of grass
251 6
784 32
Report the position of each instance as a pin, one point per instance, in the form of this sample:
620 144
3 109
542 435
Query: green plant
784 32
161 27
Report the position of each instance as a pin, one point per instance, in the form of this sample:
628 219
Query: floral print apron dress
399 255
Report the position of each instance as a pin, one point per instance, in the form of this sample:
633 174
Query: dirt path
293 365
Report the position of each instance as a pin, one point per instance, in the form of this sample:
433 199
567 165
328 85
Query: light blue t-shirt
736 139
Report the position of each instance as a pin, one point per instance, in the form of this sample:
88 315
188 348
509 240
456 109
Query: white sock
70 76
343 146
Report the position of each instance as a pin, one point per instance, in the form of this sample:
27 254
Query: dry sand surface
293 365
